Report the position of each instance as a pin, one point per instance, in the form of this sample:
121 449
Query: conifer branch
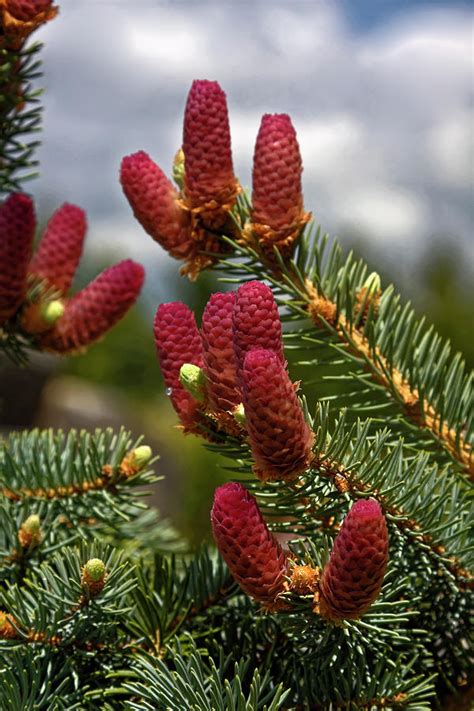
436 399
20 114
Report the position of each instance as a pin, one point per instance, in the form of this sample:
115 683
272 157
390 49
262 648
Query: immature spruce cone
19 18
27 10
280 438
218 348
353 576
17 229
60 249
253 555
277 198
153 200
178 341
90 313
255 322
209 174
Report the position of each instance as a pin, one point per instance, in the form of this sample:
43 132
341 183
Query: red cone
353 577
219 358
280 438
94 310
17 230
253 555
60 249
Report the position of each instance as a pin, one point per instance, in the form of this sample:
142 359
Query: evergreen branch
51 466
20 115
173 594
407 361
200 684
429 511
71 484
35 682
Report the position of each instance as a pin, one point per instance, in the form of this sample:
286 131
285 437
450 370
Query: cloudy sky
380 92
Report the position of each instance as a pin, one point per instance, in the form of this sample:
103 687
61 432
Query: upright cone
153 200
218 351
277 214
353 576
90 313
177 342
17 230
280 438
255 323
60 249
253 555
208 170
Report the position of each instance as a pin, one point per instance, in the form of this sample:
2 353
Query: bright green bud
31 524
372 283
95 569
178 168
193 380
140 456
52 311
239 414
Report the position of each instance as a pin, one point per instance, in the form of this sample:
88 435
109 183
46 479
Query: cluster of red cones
350 581
237 371
189 221
239 352
34 288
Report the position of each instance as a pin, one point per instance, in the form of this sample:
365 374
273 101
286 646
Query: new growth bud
52 311
193 380
29 534
178 168
93 577
372 283
239 414
135 460
40 317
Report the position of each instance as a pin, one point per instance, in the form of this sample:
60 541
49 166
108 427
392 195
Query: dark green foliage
20 115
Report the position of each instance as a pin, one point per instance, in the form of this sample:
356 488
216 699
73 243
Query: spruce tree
341 577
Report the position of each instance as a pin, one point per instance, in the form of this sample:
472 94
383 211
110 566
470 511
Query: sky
380 93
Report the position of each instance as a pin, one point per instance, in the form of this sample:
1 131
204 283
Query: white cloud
385 213
451 150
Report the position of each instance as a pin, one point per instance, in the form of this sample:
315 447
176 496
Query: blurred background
380 93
